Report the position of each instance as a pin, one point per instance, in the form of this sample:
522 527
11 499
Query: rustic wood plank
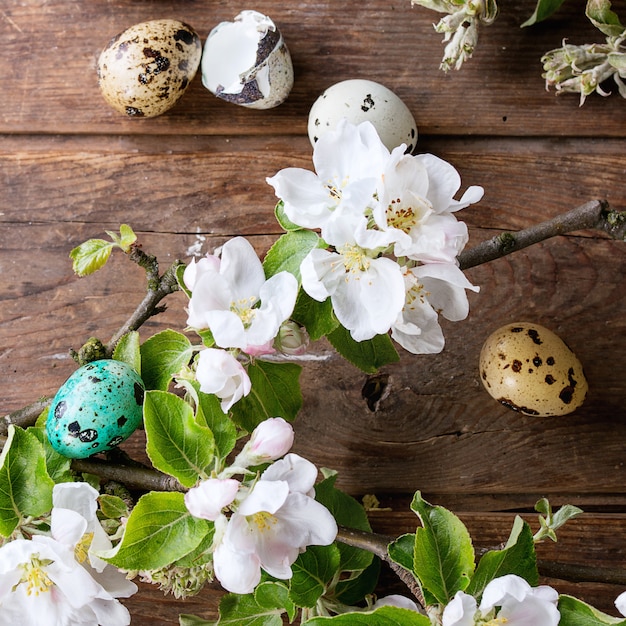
49 84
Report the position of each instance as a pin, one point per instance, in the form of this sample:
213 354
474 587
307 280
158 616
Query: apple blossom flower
349 161
270 440
220 373
42 584
274 522
207 500
367 293
231 297
431 289
416 206
508 599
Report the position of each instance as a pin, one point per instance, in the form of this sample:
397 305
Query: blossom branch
594 214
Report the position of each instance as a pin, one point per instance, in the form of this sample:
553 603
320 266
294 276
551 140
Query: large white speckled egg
530 369
98 407
360 100
144 70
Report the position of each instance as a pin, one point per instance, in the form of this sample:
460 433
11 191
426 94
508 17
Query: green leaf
175 442
603 18
353 590
162 356
59 467
317 317
384 616
283 220
128 350
25 486
517 557
347 512
125 239
274 595
444 556
402 551
90 256
275 393
201 554
543 10
159 531
192 620
245 610
368 355
179 272
312 572
113 507
575 612
288 252
209 413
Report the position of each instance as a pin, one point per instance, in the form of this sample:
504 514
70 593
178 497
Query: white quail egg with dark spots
360 100
144 70
98 407
247 62
530 369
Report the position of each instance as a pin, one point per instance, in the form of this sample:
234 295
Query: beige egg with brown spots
530 369
143 71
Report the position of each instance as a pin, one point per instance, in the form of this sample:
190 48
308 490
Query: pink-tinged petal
299 473
207 500
241 268
219 373
266 496
459 611
238 572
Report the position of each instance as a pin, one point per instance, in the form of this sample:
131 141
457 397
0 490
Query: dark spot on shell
550 380
88 435
550 360
517 329
138 390
134 112
94 379
501 356
184 35
537 362
183 84
521 409
115 441
484 374
566 395
121 421
516 366
249 93
530 370
412 133
60 409
534 335
368 103
73 429
570 377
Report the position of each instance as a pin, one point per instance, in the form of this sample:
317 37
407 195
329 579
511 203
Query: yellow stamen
81 550
354 259
34 576
264 520
244 309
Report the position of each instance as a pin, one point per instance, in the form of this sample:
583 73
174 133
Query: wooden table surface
71 168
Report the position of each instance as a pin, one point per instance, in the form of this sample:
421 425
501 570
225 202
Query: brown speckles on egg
529 369
143 71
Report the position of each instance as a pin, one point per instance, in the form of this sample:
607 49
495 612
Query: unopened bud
292 339
270 440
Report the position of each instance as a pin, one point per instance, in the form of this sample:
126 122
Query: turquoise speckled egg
98 407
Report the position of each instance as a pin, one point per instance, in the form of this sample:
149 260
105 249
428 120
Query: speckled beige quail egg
247 62
530 369
144 70
360 100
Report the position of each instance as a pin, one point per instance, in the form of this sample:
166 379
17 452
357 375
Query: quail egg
360 100
98 407
144 70
530 369
247 62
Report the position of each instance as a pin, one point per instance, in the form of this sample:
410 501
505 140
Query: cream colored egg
360 100
144 70
530 369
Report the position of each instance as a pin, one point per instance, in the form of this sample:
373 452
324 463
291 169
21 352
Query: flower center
354 259
406 217
415 293
81 550
496 621
244 309
264 520
34 576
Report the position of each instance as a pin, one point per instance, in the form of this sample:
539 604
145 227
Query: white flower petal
459 611
238 572
266 496
77 496
207 500
620 603
531 611
241 268
299 473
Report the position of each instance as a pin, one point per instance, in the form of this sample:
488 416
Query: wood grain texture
71 168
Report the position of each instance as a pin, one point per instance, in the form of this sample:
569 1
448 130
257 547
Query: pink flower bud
270 440
207 500
292 339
